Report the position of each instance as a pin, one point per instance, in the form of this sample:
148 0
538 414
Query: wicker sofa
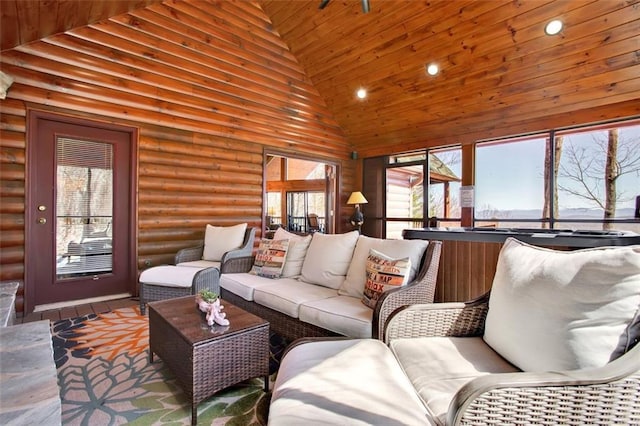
323 298
554 343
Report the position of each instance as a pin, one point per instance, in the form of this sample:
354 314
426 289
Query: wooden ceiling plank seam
499 117
186 20
539 60
251 13
326 28
402 38
121 73
592 115
443 54
579 65
289 13
585 98
198 70
62 100
10 24
448 68
551 54
588 64
440 35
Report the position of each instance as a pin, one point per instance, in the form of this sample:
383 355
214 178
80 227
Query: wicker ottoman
170 281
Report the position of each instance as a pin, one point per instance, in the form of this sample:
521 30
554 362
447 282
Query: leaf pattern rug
105 378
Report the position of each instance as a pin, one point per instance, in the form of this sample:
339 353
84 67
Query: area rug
105 378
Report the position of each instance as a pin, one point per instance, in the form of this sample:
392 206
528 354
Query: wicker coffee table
207 359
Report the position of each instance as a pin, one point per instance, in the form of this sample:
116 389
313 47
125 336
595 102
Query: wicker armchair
605 395
191 254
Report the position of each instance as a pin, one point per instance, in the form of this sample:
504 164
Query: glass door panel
84 208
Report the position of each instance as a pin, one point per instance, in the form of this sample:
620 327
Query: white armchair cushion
563 310
298 246
328 258
356 275
220 239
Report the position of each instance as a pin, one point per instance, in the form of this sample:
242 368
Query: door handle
42 221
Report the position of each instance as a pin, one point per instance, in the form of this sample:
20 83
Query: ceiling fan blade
323 4
365 6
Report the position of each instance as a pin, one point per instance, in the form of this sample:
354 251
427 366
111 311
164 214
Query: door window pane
404 198
445 170
84 207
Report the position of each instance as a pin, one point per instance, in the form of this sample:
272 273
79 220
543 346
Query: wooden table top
183 314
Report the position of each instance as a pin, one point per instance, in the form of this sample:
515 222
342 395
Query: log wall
208 85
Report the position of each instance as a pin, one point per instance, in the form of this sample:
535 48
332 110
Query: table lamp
357 218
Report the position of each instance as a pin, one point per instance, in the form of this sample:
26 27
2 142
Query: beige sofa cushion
348 382
298 246
287 294
244 284
344 315
353 284
563 310
328 259
439 366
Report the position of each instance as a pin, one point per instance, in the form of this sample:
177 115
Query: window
297 188
406 203
445 170
586 179
598 176
509 182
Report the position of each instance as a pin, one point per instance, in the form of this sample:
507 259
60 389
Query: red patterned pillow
270 258
383 273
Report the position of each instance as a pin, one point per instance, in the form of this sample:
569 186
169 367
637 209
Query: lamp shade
357 198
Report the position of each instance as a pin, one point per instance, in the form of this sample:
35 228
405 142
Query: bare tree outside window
592 168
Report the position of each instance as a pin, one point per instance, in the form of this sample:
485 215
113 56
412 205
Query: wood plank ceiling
500 74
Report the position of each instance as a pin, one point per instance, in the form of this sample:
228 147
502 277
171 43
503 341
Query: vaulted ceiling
499 73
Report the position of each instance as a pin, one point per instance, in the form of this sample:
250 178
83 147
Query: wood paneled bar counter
469 255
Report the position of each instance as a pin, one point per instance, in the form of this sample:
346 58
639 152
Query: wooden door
80 210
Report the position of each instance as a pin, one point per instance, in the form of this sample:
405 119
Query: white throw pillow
328 258
270 258
563 310
220 239
356 275
383 273
298 246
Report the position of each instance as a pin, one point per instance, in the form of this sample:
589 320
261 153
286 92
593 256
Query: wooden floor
79 310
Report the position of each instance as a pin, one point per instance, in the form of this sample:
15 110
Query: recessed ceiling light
361 93
553 27
432 69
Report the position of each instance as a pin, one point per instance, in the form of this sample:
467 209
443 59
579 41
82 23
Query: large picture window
576 179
